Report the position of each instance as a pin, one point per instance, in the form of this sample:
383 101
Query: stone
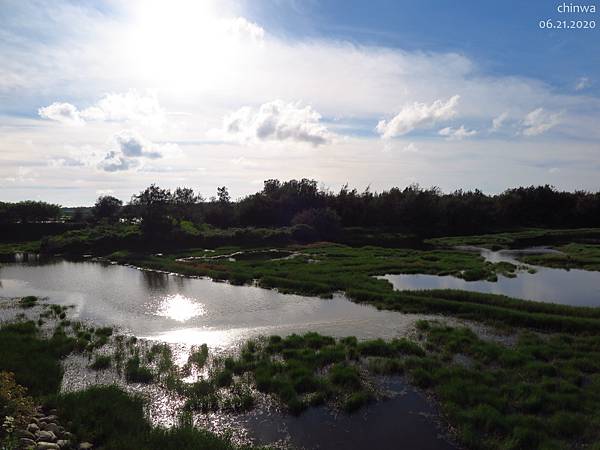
32 427
50 418
86 446
62 443
53 427
68 436
27 443
25 434
46 436
41 445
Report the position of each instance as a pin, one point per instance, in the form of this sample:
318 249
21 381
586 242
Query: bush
101 363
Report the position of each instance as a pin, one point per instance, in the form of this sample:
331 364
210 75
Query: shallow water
405 420
569 287
191 310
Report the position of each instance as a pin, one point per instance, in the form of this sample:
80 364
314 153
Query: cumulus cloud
456 133
582 83
417 115
61 112
277 121
131 149
499 121
129 106
539 121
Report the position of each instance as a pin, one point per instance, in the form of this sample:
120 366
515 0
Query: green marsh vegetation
572 256
542 392
35 379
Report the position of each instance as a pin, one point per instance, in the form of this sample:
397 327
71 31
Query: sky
107 97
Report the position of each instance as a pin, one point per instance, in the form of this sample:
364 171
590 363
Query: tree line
413 209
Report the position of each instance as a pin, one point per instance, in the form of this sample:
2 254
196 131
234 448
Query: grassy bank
574 256
520 239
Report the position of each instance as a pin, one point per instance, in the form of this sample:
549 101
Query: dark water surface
403 421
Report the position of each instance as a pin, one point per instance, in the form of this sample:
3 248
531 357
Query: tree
223 195
107 208
32 211
186 204
325 221
153 203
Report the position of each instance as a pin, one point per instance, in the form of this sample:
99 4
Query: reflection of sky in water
180 308
192 311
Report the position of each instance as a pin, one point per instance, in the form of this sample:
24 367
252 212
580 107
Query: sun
182 43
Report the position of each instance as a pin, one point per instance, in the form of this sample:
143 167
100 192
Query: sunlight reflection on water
180 308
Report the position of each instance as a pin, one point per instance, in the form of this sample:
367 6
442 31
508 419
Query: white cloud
277 121
582 83
242 28
126 107
539 121
456 133
417 115
131 149
61 112
499 121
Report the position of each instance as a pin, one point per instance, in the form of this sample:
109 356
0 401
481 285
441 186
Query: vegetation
92 414
572 256
543 392
28 211
520 239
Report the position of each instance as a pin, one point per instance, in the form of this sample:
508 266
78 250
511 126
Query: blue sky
503 36
108 96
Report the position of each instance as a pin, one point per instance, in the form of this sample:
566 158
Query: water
569 287
189 310
405 420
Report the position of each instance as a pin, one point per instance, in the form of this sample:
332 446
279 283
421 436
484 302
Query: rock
51 418
47 446
32 427
46 436
25 434
53 412
27 443
68 436
86 446
62 443
53 427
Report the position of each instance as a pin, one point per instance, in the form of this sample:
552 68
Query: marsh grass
92 417
28 302
542 393
573 256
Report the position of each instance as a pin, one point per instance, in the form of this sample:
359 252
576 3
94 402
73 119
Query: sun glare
180 308
182 43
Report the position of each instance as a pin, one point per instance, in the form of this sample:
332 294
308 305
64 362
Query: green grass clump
28 302
91 414
101 362
539 393
198 356
34 360
135 372
310 369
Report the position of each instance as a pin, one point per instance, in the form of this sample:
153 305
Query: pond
178 309
569 287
